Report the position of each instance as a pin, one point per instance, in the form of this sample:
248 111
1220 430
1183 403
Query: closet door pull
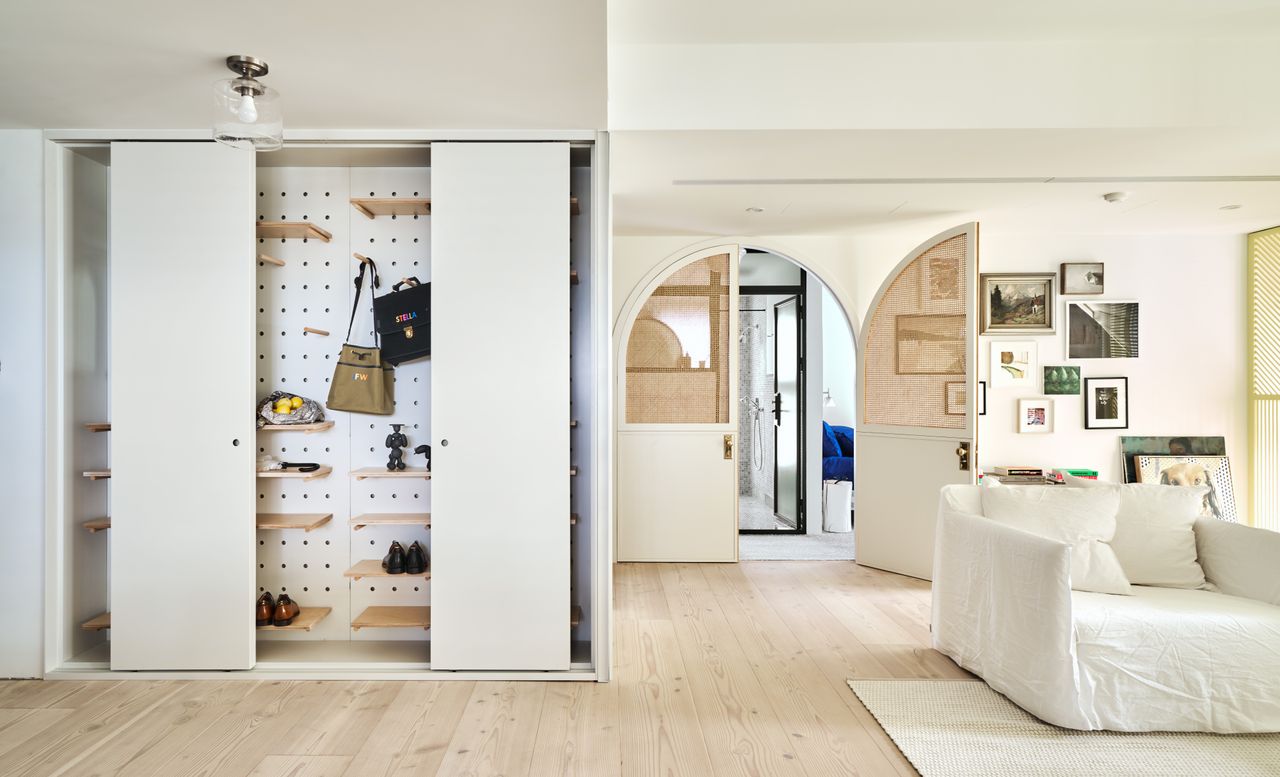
444 443
235 442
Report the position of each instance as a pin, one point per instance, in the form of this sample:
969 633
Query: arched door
677 408
916 386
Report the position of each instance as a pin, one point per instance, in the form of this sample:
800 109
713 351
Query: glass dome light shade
266 133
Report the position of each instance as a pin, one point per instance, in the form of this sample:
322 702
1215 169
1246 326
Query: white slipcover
1160 660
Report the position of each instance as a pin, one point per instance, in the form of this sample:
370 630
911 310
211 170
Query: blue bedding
837 452
837 468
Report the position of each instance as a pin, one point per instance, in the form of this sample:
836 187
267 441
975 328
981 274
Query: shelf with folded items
385 617
293 473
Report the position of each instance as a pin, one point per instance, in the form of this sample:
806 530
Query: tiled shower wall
755 456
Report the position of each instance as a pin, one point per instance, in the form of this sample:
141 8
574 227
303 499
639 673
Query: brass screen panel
1264 378
916 343
677 360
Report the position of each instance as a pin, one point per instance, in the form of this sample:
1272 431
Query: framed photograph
953 393
1102 330
1062 379
1018 304
929 345
1185 445
1212 471
1081 278
982 397
1106 403
1035 416
1013 364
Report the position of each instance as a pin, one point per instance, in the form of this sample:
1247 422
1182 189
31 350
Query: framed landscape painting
1019 304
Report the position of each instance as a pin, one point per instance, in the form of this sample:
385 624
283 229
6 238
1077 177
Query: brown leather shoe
266 609
294 609
281 616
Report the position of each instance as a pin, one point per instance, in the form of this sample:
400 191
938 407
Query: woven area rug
958 728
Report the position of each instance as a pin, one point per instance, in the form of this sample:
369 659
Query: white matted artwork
1035 416
1013 364
1211 471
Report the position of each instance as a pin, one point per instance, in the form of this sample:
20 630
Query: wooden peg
314 331
270 260
363 259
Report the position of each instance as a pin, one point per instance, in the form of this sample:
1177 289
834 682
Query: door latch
728 446
962 453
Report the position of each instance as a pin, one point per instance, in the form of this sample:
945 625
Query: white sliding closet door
500 406
182 401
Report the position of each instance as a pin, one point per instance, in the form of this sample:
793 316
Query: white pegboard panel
314 289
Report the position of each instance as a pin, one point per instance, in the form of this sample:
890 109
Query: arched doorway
680 446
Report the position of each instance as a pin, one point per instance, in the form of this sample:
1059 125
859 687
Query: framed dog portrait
1182 445
1018 303
1106 403
1212 471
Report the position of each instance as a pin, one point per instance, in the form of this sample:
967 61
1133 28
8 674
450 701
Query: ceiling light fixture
1114 197
247 112
1229 207
754 209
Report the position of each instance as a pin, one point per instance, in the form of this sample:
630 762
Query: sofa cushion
1184 660
1155 535
1240 560
1082 518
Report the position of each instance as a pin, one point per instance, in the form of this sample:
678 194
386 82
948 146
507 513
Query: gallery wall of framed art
1159 348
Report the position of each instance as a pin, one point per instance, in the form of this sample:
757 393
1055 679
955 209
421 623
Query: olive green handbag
361 382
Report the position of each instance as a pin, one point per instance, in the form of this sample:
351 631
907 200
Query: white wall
839 363
1189 377
22 400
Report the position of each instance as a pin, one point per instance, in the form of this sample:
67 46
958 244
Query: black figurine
425 450
395 441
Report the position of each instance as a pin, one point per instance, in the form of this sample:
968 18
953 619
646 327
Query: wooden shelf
393 618
292 229
304 521
306 619
97 525
104 426
293 473
319 426
383 472
98 474
574 210
575 615
392 206
391 519
372 567
269 259
97 623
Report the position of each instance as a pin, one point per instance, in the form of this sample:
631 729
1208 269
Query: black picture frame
1122 422
982 397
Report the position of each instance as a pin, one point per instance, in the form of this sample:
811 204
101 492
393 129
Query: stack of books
1017 475
1058 475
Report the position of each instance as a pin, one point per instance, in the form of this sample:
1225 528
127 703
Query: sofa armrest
1002 610
1240 560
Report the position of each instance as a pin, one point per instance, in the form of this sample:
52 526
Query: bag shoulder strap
373 269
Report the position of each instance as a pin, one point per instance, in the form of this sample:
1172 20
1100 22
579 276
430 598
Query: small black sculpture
395 441
425 450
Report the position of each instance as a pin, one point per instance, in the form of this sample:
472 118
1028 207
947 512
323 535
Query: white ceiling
393 64
846 182
839 21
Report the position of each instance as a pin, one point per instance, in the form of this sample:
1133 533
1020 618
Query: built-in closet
189 280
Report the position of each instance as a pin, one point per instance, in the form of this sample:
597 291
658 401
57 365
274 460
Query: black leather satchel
403 321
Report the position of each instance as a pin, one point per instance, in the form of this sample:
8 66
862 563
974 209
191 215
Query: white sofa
1162 659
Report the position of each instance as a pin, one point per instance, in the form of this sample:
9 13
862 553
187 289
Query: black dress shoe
415 559
266 609
393 562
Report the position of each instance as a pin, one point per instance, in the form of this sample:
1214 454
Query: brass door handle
728 446
962 453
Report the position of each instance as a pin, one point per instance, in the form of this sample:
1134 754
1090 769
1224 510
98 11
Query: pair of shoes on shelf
399 561
276 612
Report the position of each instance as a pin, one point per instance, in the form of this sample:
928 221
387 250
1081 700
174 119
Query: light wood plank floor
721 669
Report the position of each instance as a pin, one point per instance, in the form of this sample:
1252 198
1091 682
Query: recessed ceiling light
1114 197
754 209
1230 207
